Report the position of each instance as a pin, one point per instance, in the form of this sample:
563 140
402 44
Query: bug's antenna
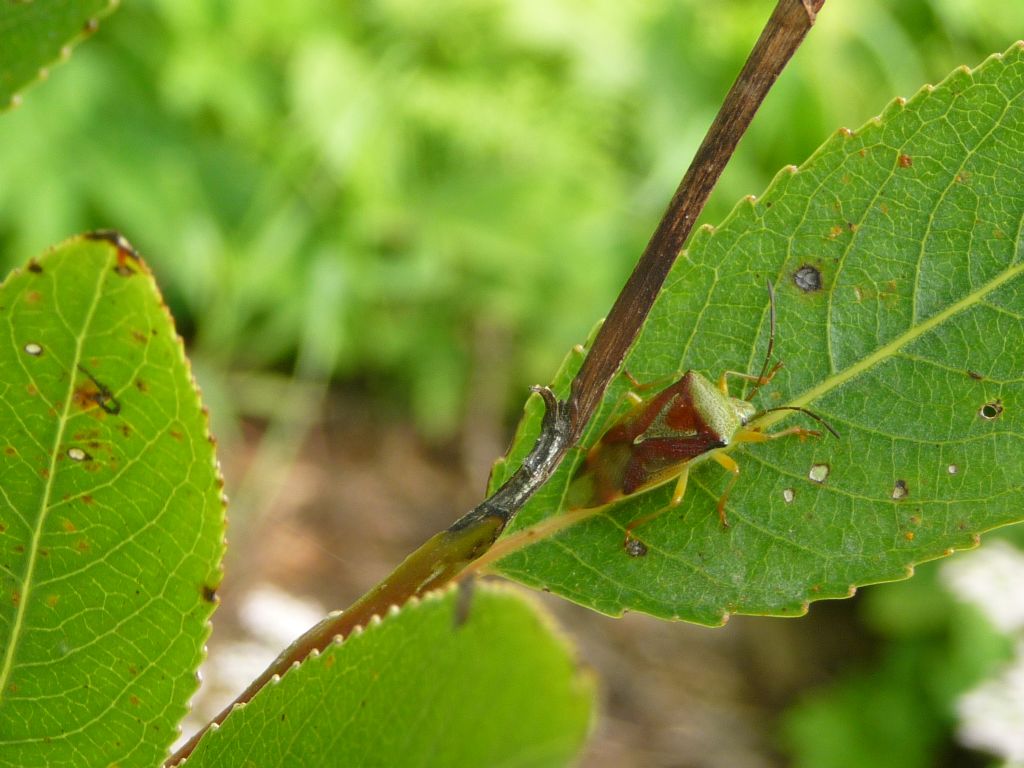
765 376
812 414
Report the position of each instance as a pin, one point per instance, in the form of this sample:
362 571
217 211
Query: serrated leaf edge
504 588
539 531
91 25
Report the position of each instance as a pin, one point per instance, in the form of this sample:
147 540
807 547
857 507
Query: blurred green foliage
375 191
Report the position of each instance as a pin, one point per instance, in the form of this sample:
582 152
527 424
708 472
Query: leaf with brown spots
900 302
110 513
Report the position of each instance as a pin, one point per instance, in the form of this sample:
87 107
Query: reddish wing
644 449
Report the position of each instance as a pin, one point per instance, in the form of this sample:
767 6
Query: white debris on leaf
990 578
992 715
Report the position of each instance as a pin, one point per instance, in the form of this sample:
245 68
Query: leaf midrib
549 526
891 348
33 551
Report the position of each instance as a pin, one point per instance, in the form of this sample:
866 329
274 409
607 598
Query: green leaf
36 33
422 687
111 519
913 224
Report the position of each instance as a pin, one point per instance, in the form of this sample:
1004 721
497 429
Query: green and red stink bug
657 440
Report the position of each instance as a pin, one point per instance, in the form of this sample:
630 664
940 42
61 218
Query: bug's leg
760 381
730 464
753 436
632 544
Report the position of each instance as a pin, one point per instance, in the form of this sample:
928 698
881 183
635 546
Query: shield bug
660 436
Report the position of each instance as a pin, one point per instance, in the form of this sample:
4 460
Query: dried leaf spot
52 600
819 473
122 267
33 349
94 392
952 469
808 278
636 548
788 494
33 267
77 454
905 161
975 375
209 593
125 252
68 526
992 410
909 535
900 490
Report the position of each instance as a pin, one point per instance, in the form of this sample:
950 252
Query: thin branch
446 554
782 35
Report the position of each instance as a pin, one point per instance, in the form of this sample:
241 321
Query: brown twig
444 555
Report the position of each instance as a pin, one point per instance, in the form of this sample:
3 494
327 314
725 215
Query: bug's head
745 411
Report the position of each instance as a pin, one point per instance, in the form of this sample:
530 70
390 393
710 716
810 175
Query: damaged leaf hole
788 494
952 469
992 410
33 349
808 278
900 490
819 473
